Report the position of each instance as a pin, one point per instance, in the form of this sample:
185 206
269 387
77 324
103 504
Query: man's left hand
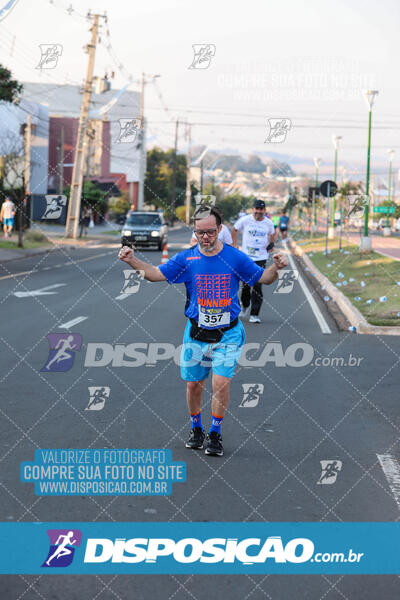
280 260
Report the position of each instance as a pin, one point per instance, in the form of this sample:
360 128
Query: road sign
384 209
328 188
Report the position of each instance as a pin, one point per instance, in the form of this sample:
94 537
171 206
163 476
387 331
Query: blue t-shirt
212 283
283 221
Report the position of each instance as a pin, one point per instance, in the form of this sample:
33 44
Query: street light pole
390 153
317 162
365 244
335 139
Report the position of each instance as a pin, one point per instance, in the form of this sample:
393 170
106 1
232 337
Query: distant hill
236 162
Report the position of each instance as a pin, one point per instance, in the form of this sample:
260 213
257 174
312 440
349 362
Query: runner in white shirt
224 236
258 233
7 213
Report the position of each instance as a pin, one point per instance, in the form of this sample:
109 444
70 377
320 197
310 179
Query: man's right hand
126 254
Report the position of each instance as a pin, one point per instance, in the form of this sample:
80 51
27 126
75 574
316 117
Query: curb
53 248
352 314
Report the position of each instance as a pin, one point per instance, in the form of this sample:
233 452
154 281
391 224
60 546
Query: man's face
206 232
258 213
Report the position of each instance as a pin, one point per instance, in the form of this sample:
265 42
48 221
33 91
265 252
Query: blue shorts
197 358
9 222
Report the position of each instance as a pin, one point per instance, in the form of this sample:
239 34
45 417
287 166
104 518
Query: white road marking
41 292
314 306
122 296
72 323
391 468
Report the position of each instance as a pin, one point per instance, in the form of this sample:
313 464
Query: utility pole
142 139
142 133
27 177
173 190
60 162
81 148
188 194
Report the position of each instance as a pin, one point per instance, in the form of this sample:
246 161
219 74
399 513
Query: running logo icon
62 351
330 471
278 129
204 204
286 281
251 394
54 208
98 397
132 282
50 54
203 53
128 130
357 204
62 547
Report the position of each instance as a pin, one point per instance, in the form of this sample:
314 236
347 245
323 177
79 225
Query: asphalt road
306 414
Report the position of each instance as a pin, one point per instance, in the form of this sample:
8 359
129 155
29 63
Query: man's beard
209 248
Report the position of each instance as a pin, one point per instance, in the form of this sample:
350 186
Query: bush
35 236
181 213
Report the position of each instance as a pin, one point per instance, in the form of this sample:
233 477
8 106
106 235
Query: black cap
259 204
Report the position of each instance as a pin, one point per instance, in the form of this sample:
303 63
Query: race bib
211 320
253 251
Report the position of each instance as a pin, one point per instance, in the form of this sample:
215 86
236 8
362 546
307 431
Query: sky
304 62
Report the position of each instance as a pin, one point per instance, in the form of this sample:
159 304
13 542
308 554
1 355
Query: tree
9 88
12 177
92 197
158 180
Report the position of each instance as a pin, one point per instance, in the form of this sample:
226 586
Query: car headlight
155 234
126 232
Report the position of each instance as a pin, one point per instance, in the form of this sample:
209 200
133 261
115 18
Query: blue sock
216 423
196 420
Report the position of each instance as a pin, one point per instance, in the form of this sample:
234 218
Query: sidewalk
388 246
55 236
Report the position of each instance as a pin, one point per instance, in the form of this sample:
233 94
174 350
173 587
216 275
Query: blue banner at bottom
214 548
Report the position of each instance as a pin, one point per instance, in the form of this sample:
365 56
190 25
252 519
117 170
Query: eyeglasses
202 233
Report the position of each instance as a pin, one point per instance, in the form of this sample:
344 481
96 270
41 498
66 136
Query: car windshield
142 219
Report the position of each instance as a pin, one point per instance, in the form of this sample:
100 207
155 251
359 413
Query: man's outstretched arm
271 273
151 273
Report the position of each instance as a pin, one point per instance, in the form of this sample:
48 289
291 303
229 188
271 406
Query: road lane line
391 468
314 306
73 322
79 260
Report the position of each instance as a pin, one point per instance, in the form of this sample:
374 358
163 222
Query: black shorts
283 228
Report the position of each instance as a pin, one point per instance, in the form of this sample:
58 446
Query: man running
258 236
7 213
284 225
214 335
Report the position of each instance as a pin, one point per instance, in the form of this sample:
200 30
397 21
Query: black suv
145 229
